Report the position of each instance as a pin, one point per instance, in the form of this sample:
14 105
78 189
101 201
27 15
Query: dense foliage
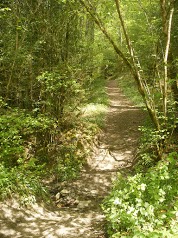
145 205
145 43
48 82
54 63
34 147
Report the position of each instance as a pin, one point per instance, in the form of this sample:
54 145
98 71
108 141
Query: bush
22 181
145 205
34 147
154 144
20 134
60 93
73 148
21 167
45 143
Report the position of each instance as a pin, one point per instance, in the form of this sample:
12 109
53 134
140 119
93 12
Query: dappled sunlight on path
119 141
39 222
83 219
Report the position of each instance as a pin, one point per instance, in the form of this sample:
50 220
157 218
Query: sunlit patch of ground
117 146
93 109
37 221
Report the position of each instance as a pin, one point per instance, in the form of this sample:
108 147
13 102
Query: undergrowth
95 109
145 205
129 87
36 147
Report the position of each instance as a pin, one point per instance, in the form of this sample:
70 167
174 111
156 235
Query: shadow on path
117 147
120 138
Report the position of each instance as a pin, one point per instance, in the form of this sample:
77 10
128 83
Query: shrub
34 147
22 181
21 132
73 148
60 93
145 205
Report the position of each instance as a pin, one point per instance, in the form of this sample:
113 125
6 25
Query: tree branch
133 66
103 29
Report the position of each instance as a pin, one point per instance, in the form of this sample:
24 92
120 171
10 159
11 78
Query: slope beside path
82 216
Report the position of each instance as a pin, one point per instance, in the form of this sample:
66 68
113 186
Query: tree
155 91
44 56
37 37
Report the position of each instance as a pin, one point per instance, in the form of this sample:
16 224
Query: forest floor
77 212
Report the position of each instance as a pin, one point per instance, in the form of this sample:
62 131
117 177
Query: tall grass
95 109
129 88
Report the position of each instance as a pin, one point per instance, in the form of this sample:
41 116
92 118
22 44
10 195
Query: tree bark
167 48
169 64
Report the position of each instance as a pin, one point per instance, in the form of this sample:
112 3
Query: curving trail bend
84 218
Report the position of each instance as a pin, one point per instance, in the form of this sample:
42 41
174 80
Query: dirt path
82 216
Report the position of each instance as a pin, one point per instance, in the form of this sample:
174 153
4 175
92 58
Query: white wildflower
130 210
143 187
117 201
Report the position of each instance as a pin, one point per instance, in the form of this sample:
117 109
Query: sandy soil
82 216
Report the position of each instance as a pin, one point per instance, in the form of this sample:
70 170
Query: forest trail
82 217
